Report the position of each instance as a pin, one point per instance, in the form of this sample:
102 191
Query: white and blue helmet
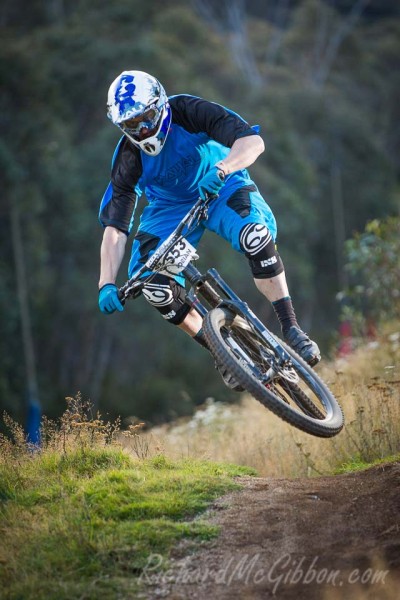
138 105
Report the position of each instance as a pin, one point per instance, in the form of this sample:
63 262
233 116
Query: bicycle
260 362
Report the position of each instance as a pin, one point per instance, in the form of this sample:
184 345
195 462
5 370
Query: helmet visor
143 125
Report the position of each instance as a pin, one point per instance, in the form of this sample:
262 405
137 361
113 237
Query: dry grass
367 384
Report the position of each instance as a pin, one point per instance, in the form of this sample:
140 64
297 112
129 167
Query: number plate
178 258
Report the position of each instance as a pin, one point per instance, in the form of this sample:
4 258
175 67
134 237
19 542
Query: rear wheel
293 391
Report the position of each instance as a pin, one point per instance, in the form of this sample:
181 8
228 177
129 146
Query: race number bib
178 257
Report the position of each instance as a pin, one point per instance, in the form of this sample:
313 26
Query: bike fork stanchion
196 279
192 274
195 303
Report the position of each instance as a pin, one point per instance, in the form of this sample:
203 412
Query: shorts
227 215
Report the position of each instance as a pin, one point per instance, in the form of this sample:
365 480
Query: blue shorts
227 216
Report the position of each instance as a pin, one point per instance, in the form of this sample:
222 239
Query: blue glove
108 299
211 183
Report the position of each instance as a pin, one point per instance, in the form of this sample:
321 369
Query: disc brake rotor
289 374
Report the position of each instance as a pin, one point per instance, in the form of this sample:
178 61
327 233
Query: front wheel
293 391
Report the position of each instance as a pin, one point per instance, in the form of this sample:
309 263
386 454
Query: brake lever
130 291
210 198
206 203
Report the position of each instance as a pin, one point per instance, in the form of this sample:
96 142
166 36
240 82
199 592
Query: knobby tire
318 415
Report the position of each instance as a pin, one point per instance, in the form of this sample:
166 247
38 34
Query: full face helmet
138 105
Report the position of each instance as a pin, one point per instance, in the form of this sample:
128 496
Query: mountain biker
177 149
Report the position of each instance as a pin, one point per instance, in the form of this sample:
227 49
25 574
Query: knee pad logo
158 295
269 261
169 315
254 237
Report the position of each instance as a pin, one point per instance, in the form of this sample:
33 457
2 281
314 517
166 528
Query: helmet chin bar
150 149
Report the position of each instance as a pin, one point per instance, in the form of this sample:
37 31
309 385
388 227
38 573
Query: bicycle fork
217 293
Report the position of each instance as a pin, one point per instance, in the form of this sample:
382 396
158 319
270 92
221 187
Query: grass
80 518
356 464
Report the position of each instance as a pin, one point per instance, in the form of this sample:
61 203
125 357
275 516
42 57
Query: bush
373 265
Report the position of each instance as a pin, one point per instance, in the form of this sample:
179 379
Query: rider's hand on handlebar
108 299
211 183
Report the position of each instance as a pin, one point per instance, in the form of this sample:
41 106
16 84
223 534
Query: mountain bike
261 363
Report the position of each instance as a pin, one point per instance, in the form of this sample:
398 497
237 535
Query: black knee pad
168 297
259 247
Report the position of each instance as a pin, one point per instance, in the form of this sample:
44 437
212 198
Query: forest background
321 78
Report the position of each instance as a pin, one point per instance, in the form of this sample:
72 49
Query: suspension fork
236 303
201 286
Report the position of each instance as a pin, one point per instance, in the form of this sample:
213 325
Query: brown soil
303 539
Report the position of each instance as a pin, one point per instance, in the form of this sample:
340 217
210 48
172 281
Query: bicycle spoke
284 382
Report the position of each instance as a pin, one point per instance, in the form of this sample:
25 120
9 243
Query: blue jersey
201 134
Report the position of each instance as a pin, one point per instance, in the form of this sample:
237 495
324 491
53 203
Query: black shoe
229 380
301 343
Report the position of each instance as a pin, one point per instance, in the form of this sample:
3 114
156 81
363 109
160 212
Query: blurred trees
373 265
323 84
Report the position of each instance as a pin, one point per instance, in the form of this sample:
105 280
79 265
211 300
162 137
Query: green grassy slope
83 523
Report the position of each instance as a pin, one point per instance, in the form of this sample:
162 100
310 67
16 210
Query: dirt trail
324 538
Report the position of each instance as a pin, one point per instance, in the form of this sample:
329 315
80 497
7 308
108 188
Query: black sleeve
120 198
219 123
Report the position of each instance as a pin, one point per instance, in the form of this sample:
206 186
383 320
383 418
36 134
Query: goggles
147 120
